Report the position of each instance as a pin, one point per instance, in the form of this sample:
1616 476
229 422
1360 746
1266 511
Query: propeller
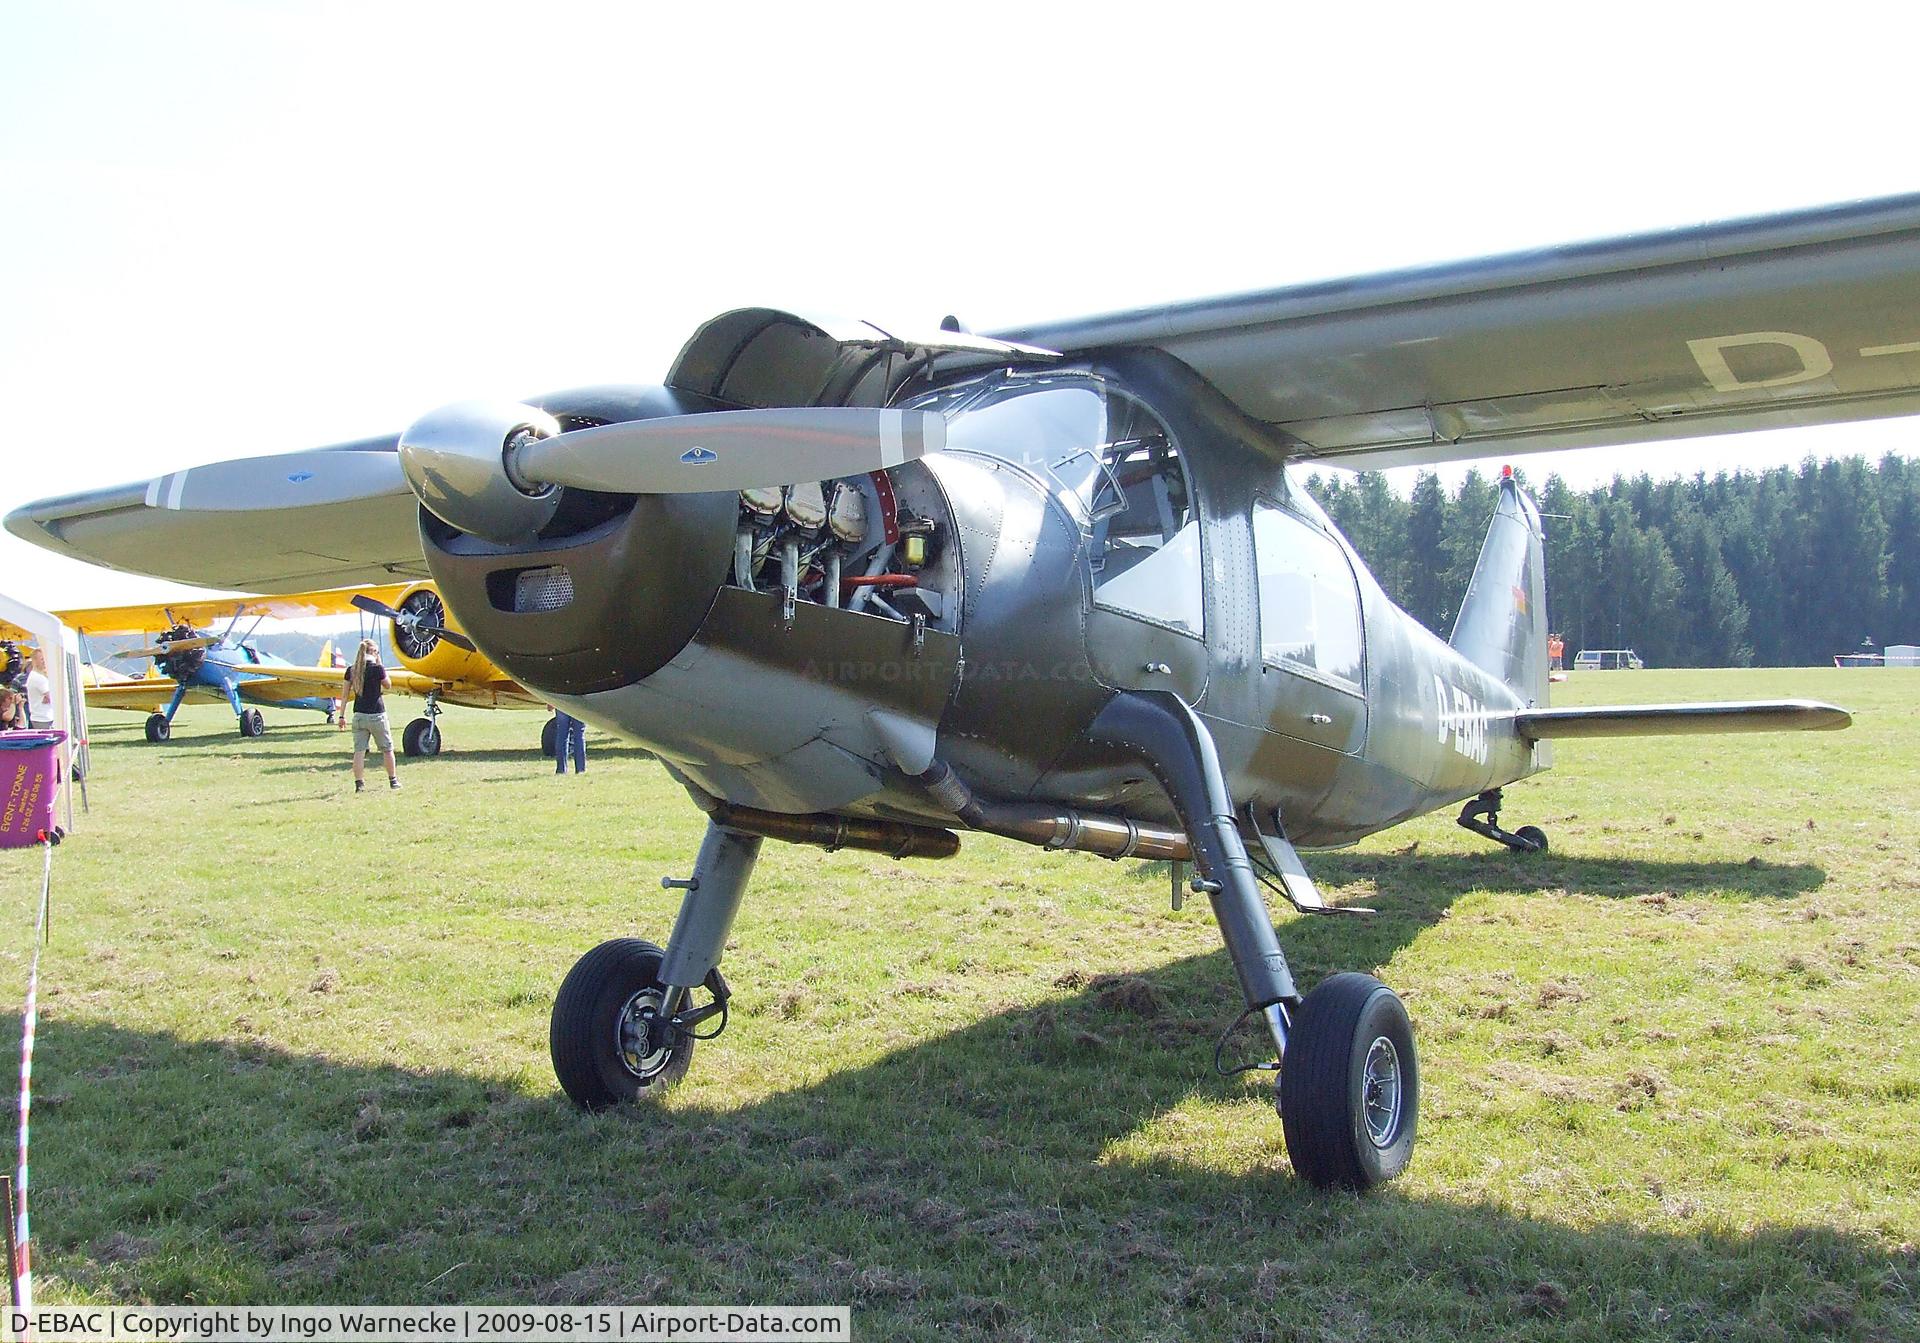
490 469
415 622
166 648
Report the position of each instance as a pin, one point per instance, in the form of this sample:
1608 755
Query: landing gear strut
625 1022
422 735
1349 1090
1482 816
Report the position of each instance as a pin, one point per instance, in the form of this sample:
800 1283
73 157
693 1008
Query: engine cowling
426 653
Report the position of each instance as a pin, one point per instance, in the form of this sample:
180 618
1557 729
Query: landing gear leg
624 1023
1335 1134
422 735
1482 816
160 725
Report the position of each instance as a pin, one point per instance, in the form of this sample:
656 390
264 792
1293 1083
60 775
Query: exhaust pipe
827 831
1054 827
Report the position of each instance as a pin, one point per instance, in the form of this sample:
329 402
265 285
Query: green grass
293 1050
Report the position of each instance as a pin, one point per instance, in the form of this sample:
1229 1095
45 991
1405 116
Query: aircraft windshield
1112 464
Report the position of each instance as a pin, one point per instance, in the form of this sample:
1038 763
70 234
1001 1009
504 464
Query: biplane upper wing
154 618
1793 319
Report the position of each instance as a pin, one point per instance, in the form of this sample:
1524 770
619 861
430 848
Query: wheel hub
642 1048
1380 1092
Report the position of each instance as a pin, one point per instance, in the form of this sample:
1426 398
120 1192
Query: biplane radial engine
868 588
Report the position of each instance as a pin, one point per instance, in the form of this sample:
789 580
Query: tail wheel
158 728
606 1048
1349 1090
1535 837
421 737
252 723
549 736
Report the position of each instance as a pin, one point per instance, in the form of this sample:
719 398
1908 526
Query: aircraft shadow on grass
977 1183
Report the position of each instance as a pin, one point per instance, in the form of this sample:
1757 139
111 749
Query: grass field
293 1049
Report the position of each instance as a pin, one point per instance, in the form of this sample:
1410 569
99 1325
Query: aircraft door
1146 629
1312 646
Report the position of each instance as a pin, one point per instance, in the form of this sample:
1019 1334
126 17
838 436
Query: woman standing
366 687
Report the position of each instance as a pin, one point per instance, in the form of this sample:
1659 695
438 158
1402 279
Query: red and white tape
22 1266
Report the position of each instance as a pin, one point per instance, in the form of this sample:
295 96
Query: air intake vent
547 589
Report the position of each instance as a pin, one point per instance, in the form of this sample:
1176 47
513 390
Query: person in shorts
366 687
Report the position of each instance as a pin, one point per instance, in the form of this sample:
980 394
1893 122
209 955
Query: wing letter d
1710 353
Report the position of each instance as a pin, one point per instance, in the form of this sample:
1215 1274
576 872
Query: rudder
1502 626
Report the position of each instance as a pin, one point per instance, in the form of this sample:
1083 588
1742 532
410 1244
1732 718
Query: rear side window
1309 599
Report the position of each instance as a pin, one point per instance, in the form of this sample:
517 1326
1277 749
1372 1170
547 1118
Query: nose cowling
568 591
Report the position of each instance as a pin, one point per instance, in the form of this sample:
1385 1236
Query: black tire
252 723
1334 1138
549 735
421 737
584 1035
1536 838
158 728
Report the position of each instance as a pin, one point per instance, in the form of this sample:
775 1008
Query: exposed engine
180 663
845 543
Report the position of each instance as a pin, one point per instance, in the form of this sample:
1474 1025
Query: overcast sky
240 228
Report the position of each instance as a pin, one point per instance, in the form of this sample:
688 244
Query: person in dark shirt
366 687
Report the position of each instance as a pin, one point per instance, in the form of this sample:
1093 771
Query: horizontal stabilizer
1654 720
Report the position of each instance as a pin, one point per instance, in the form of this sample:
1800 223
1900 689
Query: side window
1146 540
1309 599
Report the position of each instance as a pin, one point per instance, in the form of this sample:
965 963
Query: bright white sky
228 229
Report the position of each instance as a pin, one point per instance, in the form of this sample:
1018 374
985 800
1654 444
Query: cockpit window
1112 463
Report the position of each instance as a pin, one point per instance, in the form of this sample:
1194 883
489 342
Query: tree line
1775 568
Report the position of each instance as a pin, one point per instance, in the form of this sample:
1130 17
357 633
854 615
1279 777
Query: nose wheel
612 1043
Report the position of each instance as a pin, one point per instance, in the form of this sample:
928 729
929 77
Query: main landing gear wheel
1349 1090
548 736
158 728
608 1048
421 737
252 723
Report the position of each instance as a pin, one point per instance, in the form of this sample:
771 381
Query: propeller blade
374 607
729 450
458 640
163 649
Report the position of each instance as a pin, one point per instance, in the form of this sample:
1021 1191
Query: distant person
366 687
39 691
569 736
13 711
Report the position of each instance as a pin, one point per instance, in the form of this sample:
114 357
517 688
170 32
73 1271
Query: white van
1607 659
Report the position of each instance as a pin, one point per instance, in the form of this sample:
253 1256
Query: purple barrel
29 783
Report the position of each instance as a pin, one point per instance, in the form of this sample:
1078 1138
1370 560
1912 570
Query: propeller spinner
491 469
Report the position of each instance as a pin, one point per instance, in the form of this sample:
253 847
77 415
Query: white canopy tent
63 669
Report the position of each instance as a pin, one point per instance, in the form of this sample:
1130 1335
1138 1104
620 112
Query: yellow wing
108 689
498 693
295 606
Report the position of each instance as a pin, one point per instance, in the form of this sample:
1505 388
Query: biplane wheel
252 723
421 737
548 735
158 728
1349 1089
598 1035
1535 837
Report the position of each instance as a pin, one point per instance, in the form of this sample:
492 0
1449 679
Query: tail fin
1502 627
326 655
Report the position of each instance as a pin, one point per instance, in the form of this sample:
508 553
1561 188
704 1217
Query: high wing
154 618
315 519
1793 319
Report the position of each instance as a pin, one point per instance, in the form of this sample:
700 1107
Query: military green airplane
869 588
